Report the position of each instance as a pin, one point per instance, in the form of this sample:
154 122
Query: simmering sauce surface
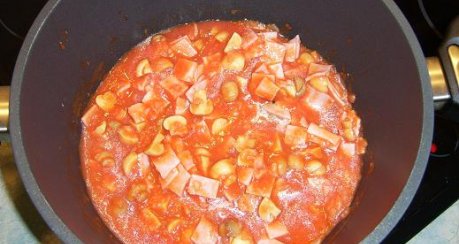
221 132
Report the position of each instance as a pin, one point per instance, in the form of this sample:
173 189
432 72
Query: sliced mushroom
106 101
105 158
222 168
128 163
128 135
143 67
176 125
315 167
230 91
161 64
101 128
138 192
201 105
219 126
156 148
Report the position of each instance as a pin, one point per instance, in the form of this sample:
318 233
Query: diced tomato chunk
185 69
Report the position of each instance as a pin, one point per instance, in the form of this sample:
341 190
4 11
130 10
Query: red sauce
221 132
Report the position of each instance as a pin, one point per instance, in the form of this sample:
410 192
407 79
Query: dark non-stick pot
72 44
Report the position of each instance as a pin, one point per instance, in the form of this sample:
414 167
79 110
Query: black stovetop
429 19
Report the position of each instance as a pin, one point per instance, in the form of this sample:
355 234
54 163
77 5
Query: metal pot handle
4 107
444 73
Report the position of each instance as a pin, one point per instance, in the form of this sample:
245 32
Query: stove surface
440 185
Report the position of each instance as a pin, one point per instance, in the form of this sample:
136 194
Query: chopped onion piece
205 232
316 70
174 86
184 47
169 178
138 112
277 70
268 35
277 110
275 51
315 130
348 149
177 185
267 89
316 100
295 136
203 186
166 162
292 51
276 229
248 38
181 105
90 115
186 159
263 69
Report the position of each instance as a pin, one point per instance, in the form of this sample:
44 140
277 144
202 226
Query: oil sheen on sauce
221 132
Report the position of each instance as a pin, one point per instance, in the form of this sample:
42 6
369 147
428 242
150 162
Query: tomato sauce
221 132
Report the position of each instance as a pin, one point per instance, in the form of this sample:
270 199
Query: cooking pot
72 44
